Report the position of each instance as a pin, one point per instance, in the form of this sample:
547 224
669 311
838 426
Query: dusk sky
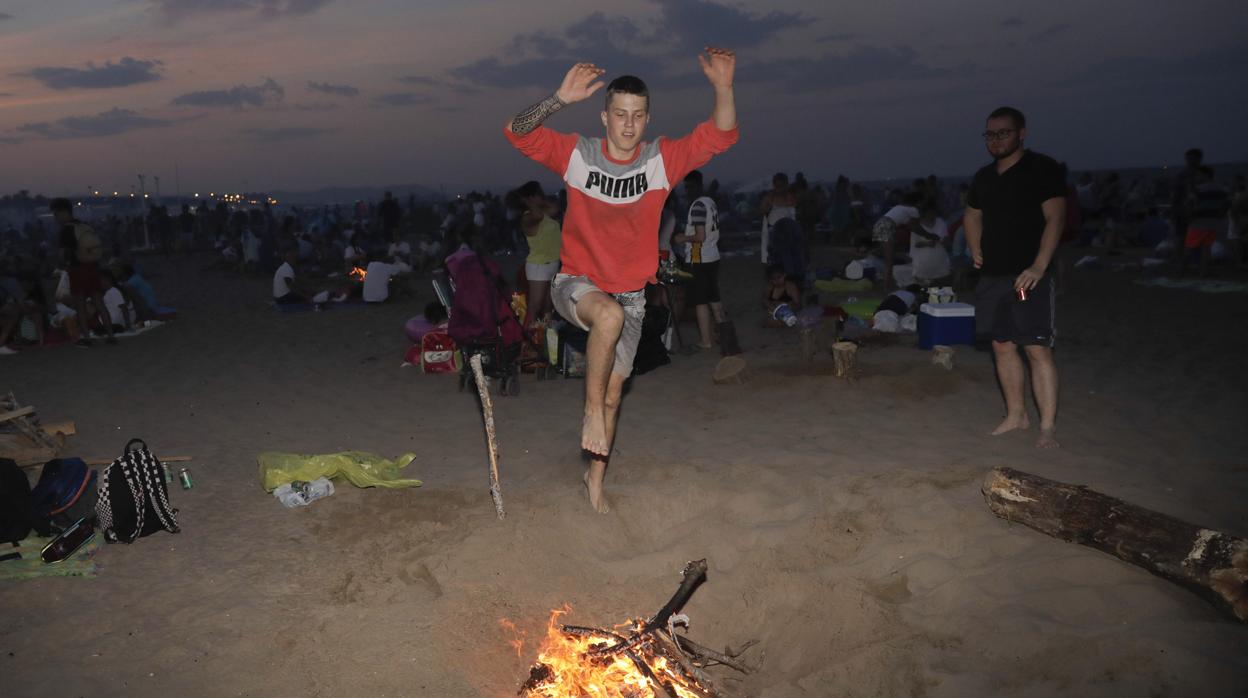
301 94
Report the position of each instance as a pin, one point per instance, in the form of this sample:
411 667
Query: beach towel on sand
359 468
81 564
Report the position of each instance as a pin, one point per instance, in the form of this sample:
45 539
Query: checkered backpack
133 497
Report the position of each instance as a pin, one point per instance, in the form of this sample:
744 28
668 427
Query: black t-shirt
1013 217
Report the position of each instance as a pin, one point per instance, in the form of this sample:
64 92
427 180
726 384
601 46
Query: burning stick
487 413
650 661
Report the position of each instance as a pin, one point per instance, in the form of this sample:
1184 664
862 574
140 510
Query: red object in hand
1022 293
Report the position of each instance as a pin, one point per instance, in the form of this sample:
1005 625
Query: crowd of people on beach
364 250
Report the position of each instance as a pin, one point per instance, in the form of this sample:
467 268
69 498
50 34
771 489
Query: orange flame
573 674
517 635
358 274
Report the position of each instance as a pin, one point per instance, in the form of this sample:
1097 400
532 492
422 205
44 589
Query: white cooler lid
947 309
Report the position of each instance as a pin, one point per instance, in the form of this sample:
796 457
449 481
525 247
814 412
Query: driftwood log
1211 563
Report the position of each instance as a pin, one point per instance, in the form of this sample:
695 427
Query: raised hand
718 64
580 83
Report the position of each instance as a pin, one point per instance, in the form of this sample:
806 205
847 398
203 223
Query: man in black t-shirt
1015 212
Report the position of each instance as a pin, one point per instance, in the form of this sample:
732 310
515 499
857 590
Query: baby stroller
481 321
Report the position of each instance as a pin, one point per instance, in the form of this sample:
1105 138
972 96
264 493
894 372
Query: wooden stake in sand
487 414
843 359
1211 563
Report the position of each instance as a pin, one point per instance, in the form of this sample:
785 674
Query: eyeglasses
999 135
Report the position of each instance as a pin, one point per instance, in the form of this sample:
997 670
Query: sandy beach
842 521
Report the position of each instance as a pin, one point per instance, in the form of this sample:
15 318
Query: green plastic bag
360 468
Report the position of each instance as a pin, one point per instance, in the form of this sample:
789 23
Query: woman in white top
780 202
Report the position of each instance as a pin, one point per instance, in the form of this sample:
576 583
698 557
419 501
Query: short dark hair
60 203
529 188
781 178
1194 153
694 178
628 85
1014 115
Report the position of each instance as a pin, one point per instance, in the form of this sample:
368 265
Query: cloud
338 90
835 36
401 99
861 65
1012 22
1223 65
173 11
312 106
127 71
286 133
698 23
617 43
1049 32
453 86
5 16
6 94
10 140
107 123
239 96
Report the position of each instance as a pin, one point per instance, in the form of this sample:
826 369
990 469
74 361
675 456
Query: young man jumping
616 188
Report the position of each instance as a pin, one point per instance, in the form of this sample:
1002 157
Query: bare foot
1048 438
597 499
594 435
1010 424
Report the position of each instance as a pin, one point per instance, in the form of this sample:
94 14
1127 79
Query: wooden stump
942 356
843 359
807 335
1211 563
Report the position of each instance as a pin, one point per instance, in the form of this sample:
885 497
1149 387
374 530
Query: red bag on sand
438 354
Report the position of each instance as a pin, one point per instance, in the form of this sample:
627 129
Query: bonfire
358 274
640 659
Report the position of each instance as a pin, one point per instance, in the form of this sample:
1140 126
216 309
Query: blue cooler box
946 323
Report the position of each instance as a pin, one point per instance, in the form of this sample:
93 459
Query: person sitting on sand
780 290
887 229
377 278
616 188
434 318
287 288
353 255
18 301
928 246
121 313
142 295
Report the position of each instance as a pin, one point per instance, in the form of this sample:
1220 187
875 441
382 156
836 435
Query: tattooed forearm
533 117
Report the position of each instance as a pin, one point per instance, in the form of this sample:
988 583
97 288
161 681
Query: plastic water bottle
301 494
783 313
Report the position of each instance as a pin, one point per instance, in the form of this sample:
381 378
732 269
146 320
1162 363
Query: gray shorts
566 290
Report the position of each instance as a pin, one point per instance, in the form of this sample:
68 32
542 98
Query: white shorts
540 272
